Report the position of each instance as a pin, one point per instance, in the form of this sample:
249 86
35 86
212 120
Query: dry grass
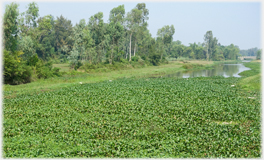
226 123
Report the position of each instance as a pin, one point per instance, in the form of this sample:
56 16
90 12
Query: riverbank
251 79
73 77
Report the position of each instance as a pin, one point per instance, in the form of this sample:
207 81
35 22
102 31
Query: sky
231 22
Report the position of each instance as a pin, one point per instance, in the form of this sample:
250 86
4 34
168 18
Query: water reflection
226 70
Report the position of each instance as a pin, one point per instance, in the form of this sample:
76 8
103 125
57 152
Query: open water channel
226 70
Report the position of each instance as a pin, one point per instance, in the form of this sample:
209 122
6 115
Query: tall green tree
115 31
89 46
10 27
78 52
45 37
63 35
210 44
166 36
142 25
32 14
26 45
97 29
133 20
117 14
259 54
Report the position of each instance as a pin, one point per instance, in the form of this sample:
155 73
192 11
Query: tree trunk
130 48
135 49
126 51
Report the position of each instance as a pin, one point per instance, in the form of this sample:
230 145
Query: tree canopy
125 37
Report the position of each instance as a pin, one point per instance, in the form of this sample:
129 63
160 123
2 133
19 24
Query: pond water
226 70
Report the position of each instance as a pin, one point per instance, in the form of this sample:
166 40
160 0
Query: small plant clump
136 118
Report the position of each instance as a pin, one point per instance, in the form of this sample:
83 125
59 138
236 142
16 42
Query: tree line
251 52
32 43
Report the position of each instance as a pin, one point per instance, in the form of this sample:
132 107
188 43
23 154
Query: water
226 70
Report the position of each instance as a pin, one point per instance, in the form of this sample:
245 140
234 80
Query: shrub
144 57
45 70
135 58
32 61
124 61
56 71
15 70
154 59
77 65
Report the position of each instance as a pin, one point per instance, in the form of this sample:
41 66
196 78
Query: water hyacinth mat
136 118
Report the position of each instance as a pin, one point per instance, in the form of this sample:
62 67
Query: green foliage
252 82
125 61
45 70
63 32
26 45
31 14
117 14
255 68
33 60
78 65
154 59
10 27
135 58
259 54
98 42
210 45
129 118
166 34
249 52
15 69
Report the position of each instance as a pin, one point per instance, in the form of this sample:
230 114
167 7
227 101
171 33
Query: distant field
64 67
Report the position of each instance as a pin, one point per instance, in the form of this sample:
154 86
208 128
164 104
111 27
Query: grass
251 78
203 117
63 67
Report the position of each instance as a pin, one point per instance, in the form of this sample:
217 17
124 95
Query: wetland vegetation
137 117
85 92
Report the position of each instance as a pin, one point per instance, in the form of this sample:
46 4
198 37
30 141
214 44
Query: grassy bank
251 80
72 77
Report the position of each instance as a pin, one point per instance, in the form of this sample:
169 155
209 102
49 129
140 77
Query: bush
125 61
45 70
78 65
32 61
154 59
87 66
144 57
134 58
15 70
56 71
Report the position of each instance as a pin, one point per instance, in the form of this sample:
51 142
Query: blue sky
231 22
